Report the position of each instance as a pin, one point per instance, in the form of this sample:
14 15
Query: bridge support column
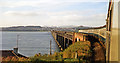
73 38
64 43
84 38
55 36
68 41
58 38
61 41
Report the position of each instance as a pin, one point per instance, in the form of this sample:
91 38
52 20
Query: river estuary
29 43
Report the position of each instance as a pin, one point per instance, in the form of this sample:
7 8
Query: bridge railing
101 32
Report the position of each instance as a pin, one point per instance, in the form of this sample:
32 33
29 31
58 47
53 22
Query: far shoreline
24 31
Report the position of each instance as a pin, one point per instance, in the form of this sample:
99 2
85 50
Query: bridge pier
68 41
64 43
64 39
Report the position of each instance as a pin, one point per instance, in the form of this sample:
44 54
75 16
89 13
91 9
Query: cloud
58 18
42 3
55 19
98 19
13 4
22 13
46 13
50 17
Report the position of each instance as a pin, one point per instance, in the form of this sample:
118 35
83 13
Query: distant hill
82 27
25 28
40 28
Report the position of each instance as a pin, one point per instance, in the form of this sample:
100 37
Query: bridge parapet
101 32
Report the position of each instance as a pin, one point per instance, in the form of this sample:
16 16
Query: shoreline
24 31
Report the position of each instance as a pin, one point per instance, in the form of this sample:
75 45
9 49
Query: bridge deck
68 35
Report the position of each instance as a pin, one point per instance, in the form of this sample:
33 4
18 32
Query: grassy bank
77 52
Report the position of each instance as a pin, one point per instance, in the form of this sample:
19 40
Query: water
29 43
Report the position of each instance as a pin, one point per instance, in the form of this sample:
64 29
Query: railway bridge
95 35
66 38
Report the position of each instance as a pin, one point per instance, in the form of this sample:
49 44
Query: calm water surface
29 43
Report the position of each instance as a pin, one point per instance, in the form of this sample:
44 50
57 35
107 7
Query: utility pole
17 40
50 47
16 48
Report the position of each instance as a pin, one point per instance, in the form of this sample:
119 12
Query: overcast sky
52 12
